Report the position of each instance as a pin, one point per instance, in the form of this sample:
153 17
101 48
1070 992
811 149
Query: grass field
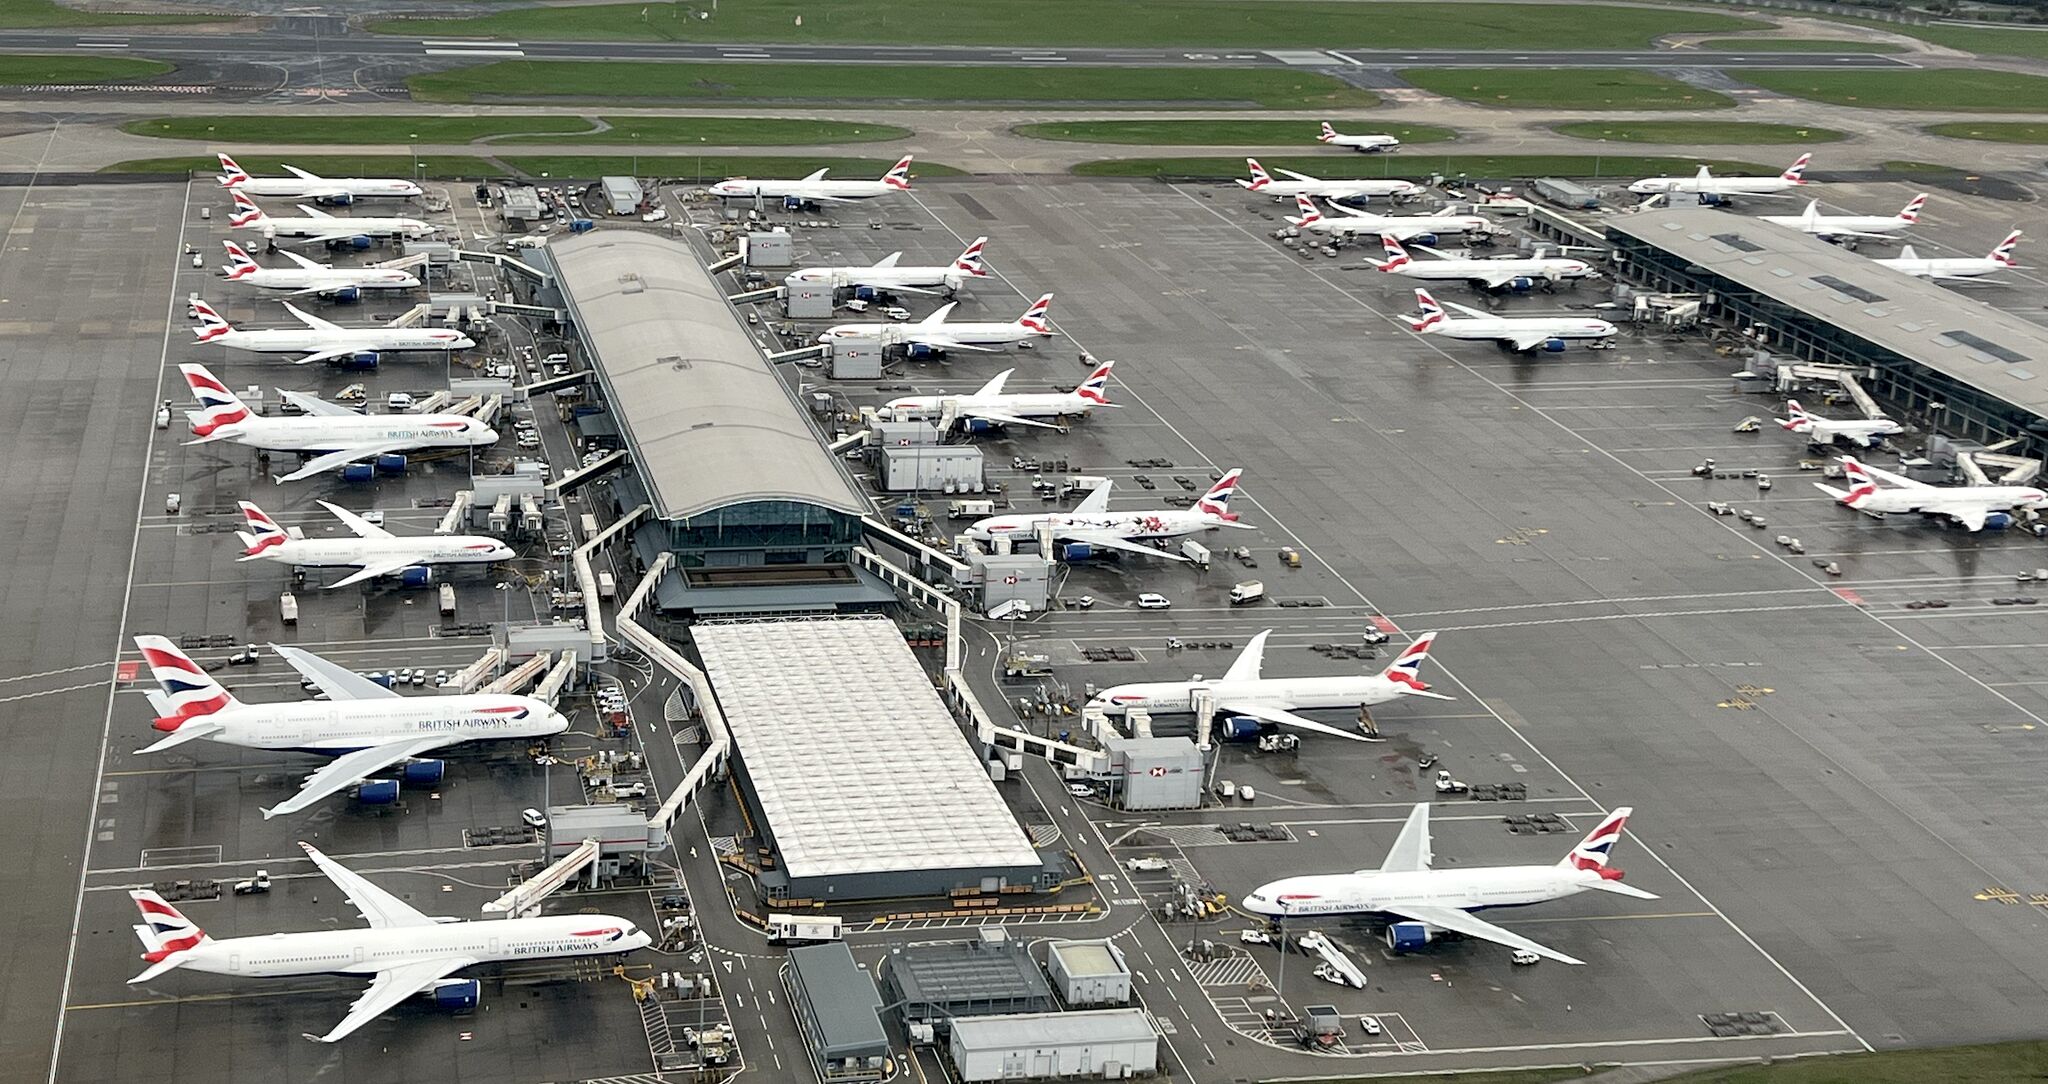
27 70
624 131
1563 88
712 167
36 14
438 167
1796 45
1319 24
1609 166
1690 133
1217 133
1988 41
1996 1063
1945 88
2014 131
856 84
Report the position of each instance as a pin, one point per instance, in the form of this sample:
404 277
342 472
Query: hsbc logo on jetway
1159 771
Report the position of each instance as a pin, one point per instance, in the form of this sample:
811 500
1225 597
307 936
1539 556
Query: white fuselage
884 278
367 951
1287 694
1823 431
941 336
1130 526
1830 225
331 433
326 188
1951 499
306 340
1337 190
328 279
1375 892
457 549
1945 267
359 226
1022 405
1400 227
1364 142
742 188
1714 186
1535 267
1497 328
341 726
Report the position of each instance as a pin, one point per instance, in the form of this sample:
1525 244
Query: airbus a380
1955 268
933 333
1833 227
1522 333
403 952
1704 183
1405 886
992 406
1093 524
371 550
1301 184
309 277
1513 273
334 435
367 728
1335 138
323 340
815 188
1242 691
1350 222
304 185
887 274
317 225
1868 432
1973 507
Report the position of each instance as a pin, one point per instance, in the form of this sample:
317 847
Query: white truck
1248 592
803 929
970 509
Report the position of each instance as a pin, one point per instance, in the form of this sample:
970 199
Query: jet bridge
549 691
458 512
576 479
1849 377
556 383
413 316
505 262
525 898
470 677
518 677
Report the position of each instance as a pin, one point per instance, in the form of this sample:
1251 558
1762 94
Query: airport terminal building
1954 364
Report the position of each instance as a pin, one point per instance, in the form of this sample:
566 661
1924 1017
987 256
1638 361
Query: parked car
1150 601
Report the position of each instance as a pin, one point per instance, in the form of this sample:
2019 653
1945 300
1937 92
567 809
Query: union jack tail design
2003 253
240 264
217 405
1259 180
1397 257
1095 389
1862 486
188 691
1035 316
1796 172
1328 135
212 325
1797 420
899 176
1216 502
1309 215
970 260
163 928
230 173
1432 313
263 534
1406 669
1911 213
246 212
1594 851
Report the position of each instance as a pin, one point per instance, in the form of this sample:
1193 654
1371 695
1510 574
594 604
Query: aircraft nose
487 435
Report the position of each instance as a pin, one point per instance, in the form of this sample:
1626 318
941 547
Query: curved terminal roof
707 419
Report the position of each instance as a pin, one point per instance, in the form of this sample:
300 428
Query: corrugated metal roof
1041 1029
967 971
706 417
857 763
843 999
1961 337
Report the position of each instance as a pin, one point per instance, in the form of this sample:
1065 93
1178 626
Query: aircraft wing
1003 418
948 344
1283 717
1899 480
1971 516
314 405
312 321
1247 665
302 174
1450 918
328 354
362 527
1475 313
390 989
1498 279
372 571
346 771
901 289
1528 340
338 682
1108 541
1411 848
341 457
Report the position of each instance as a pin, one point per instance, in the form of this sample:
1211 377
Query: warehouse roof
843 1000
1089 959
1043 1029
967 971
707 419
1968 340
857 764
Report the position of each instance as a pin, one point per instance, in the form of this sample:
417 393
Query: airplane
1516 273
1868 432
816 189
313 278
318 225
373 551
339 436
1955 268
1241 691
1362 143
886 275
933 335
1837 227
1523 333
328 341
1972 507
404 952
1093 524
367 728
1350 221
1406 887
1301 184
992 406
1705 185
304 185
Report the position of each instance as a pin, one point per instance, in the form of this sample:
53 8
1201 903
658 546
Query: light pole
413 146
